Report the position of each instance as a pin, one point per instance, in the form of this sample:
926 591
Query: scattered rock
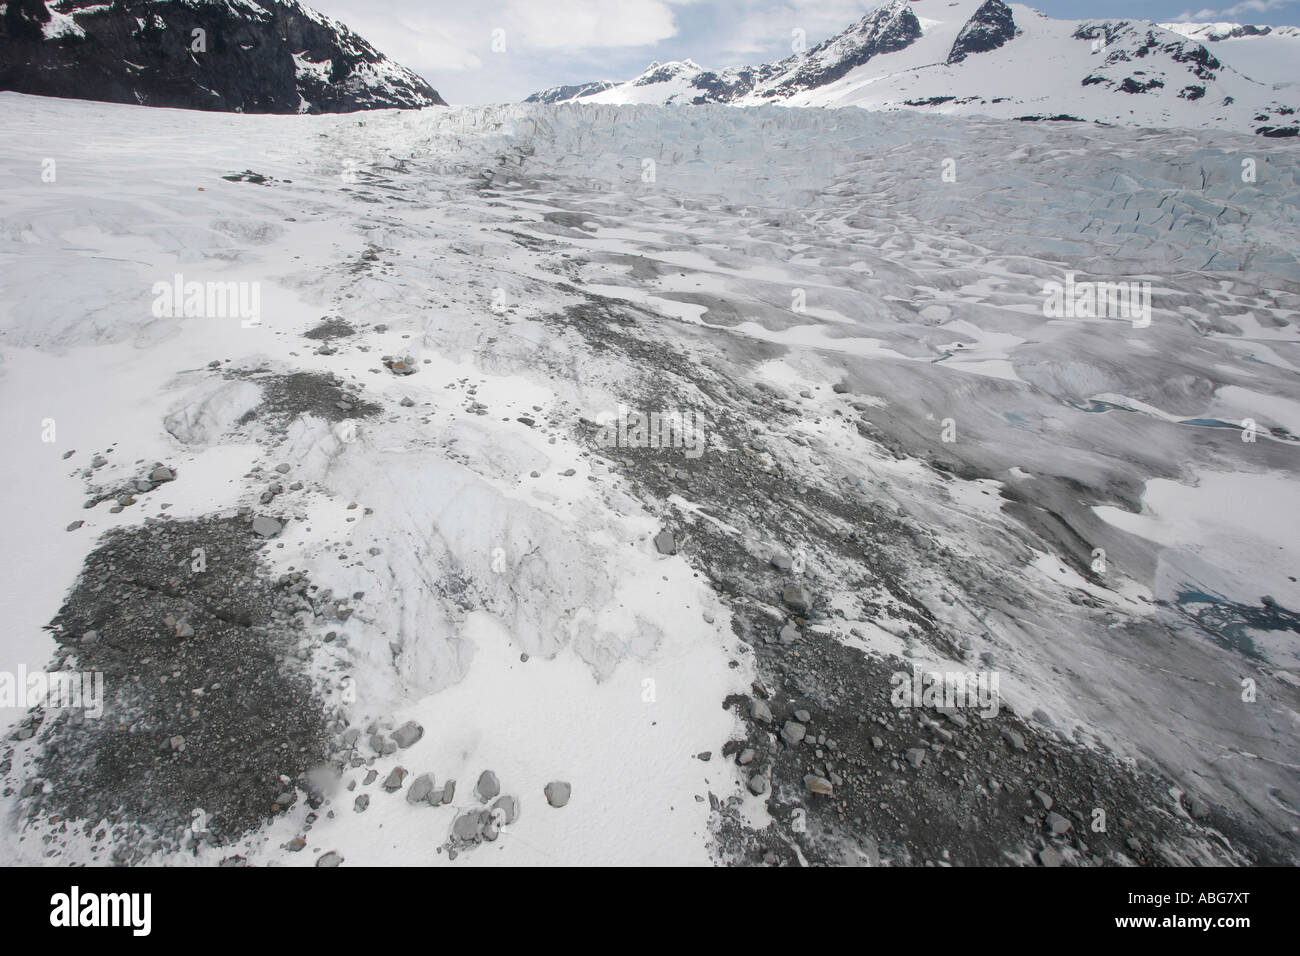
421 788
793 732
1050 856
466 826
407 734
557 793
796 598
488 786
509 808
665 543
401 366
329 859
1057 823
816 784
266 527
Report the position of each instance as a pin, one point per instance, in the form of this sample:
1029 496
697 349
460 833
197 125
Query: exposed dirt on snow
209 716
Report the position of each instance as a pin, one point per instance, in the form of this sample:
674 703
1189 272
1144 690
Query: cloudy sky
545 43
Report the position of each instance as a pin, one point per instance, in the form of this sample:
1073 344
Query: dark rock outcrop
885 30
1132 84
558 94
251 56
1236 31
991 26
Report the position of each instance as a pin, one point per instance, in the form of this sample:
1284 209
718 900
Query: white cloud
546 41
747 30
1255 6
1234 11
1200 15
586 24
456 37
413 41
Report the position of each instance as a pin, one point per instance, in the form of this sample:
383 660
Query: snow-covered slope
986 57
398 496
1264 53
562 94
251 56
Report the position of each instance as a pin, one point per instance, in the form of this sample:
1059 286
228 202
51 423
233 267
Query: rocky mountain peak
991 26
890 27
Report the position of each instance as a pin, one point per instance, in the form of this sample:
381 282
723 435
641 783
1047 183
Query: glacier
909 464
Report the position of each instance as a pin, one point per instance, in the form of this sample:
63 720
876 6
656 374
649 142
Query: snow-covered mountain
987 57
561 94
1267 54
252 56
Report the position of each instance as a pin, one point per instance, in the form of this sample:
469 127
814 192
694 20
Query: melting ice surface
483 224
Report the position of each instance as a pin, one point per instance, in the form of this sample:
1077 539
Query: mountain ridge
252 56
998 59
